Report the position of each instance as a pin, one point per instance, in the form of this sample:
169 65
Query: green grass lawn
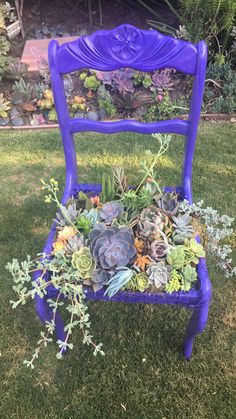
143 374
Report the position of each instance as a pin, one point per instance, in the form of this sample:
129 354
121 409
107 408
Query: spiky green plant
108 189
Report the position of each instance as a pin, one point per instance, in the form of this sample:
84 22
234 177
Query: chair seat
191 298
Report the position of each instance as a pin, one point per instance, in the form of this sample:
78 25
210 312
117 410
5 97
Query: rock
59 30
37 30
17 122
37 119
79 115
13 113
28 107
45 30
102 114
45 114
82 32
17 99
4 121
93 116
38 36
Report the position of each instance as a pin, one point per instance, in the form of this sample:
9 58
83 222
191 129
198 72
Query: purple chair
144 50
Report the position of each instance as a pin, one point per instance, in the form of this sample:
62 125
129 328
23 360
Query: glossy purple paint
106 50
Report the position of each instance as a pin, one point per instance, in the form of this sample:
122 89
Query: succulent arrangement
140 239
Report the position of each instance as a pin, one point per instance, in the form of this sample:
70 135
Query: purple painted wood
176 126
127 46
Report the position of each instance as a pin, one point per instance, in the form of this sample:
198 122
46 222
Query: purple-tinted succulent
120 79
96 231
110 211
105 76
99 279
162 80
158 250
114 247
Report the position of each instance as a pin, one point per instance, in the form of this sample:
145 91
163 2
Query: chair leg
45 314
195 326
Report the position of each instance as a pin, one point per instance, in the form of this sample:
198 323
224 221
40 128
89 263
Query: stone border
217 117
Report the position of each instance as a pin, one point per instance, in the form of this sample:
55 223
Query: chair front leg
195 326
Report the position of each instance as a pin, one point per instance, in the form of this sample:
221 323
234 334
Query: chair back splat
143 50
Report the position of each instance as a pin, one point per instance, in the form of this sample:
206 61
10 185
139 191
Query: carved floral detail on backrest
126 43
127 46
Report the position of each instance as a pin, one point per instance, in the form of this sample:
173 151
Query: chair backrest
144 50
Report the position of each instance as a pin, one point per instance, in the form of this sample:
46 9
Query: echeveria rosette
189 276
183 229
110 211
138 282
158 274
71 213
158 250
154 224
196 248
73 245
99 279
114 247
176 257
83 262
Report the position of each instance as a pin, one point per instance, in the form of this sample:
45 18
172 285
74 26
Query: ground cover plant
142 373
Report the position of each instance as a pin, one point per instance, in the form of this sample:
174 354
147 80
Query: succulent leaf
113 247
111 211
83 262
158 274
118 281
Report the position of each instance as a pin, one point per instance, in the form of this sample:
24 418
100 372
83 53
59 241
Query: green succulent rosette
138 282
176 258
83 262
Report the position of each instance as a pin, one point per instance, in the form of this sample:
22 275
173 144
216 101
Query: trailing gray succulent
74 244
182 228
99 279
110 211
158 250
71 213
158 274
113 247
168 202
